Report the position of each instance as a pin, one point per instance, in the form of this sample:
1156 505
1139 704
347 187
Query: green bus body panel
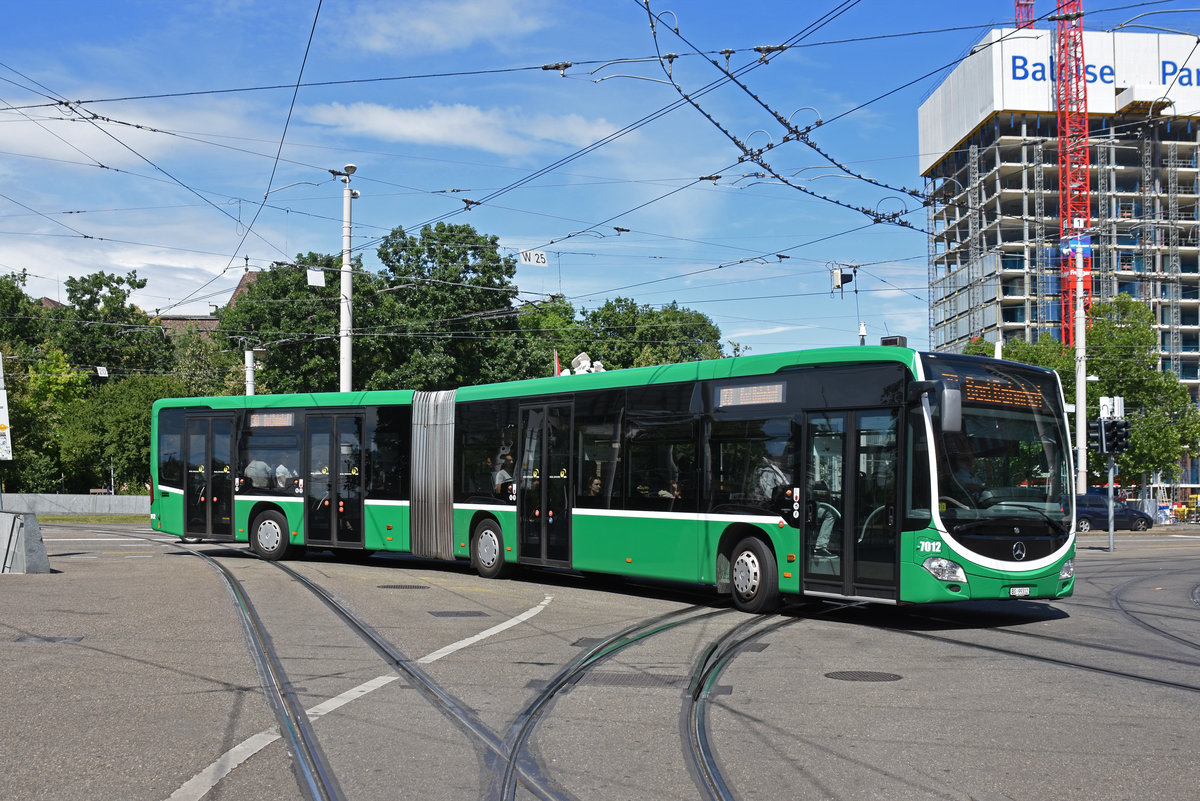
648 547
377 535
302 400
736 367
166 514
917 586
682 548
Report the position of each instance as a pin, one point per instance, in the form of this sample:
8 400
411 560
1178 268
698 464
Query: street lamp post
345 316
251 355
1080 372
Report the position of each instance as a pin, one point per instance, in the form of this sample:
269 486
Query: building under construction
989 156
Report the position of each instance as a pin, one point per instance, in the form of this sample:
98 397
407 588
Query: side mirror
918 389
948 399
951 401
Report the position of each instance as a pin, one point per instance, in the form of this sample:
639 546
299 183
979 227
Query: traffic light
1116 435
1096 432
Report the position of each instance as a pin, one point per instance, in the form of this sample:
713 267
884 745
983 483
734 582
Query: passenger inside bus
826 517
963 466
503 475
258 473
285 473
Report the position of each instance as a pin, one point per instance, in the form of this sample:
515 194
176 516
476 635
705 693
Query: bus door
544 485
333 484
208 482
851 543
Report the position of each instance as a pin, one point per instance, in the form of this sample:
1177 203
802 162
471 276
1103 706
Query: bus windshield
1009 462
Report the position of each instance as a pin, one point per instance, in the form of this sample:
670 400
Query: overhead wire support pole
345 293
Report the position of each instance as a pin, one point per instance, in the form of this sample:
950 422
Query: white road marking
483 635
198 786
85 539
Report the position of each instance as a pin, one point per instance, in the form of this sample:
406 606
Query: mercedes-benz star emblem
1019 551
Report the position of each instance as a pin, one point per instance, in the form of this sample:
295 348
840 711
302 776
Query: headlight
1068 569
945 570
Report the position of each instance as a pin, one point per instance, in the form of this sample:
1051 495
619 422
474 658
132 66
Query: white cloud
437 26
503 132
762 332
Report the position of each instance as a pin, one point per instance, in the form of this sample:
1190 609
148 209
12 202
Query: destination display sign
1000 392
271 419
750 395
996 390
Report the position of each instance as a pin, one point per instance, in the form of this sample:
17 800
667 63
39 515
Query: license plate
1018 592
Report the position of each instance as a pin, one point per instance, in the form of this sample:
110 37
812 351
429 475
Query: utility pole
250 354
1080 373
345 315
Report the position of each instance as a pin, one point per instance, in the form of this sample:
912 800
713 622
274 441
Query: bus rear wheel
754 577
487 550
269 536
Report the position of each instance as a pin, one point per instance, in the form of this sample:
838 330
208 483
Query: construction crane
1024 13
1074 181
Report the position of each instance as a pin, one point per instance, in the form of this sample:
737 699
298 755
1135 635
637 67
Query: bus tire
754 577
487 550
269 536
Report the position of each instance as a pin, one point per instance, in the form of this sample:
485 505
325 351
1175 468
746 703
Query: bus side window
598 471
388 436
170 447
485 440
662 464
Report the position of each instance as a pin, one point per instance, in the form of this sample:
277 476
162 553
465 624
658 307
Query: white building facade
989 156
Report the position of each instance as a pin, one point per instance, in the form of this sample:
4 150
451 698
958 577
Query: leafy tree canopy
1122 352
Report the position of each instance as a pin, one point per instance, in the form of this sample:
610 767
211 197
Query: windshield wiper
973 524
1050 521
1055 526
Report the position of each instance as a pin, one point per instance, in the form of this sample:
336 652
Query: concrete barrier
21 546
47 504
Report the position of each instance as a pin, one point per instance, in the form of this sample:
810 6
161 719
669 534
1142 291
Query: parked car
1091 512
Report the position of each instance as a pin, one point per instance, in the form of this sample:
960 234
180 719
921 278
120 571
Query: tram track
314 776
555 747
1116 602
525 723
693 717
318 782
1052 660
523 770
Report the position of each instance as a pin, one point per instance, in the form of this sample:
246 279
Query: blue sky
189 114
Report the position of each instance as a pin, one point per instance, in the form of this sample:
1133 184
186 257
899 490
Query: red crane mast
1074 181
1024 13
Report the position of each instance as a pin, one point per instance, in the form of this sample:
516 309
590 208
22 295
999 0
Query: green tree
1123 345
298 325
40 401
546 327
109 432
1122 352
203 367
624 334
450 295
100 327
20 317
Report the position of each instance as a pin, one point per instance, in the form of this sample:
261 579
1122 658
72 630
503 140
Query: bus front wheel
269 536
754 577
487 550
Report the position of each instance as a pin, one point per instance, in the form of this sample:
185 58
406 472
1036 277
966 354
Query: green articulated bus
866 473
